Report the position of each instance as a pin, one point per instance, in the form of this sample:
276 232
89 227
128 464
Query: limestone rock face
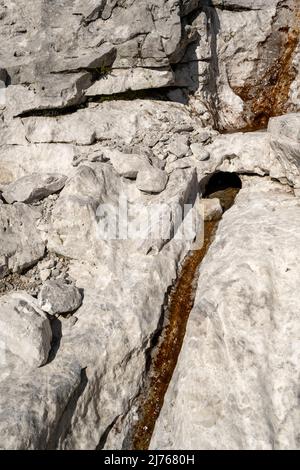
245 69
240 355
131 106
285 138
24 328
199 152
20 243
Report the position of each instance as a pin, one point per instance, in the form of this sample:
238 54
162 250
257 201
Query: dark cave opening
219 182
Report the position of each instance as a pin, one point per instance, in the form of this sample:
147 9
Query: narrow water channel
165 354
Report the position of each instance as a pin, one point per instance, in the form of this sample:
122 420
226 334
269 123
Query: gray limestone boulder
152 180
129 165
58 296
24 328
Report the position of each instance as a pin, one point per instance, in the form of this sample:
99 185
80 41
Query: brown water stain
165 358
268 96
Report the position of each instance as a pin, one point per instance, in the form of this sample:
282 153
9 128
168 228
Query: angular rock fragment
199 152
24 328
152 180
179 146
34 187
129 165
214 65
58 296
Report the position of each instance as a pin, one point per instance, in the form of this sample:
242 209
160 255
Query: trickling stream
224 186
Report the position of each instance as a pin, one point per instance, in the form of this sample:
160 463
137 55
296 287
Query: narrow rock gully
165 352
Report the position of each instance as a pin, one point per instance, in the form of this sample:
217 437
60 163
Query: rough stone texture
179 146
217 53
241 152
20 243
122 80
59 297
110 330
92 198
128 165
245 69
152 180
285 148
24 328
80 42
234 385
34 187
21 160
103 90
200 152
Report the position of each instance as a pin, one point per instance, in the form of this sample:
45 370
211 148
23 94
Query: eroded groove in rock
164 356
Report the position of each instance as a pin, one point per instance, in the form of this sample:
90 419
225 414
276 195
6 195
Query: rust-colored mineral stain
269 96
168 349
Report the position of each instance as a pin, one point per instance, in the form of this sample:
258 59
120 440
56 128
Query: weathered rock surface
234 385
59 297
285 139
88 209
21 244
34 187
109 328
17 161
241 152
199 152
152 180
24 328
122 80
123 97
129 165
226 54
